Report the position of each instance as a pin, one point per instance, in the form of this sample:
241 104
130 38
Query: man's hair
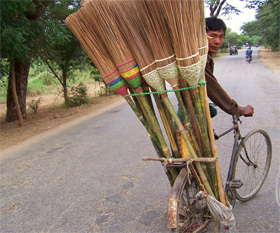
215 24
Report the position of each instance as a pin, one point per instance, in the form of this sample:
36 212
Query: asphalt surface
90 177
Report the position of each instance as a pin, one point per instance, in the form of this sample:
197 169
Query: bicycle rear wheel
252 163
190 210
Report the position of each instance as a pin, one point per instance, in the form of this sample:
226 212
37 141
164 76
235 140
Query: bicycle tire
190 211
259 148
277 189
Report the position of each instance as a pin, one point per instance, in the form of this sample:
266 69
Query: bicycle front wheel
252 163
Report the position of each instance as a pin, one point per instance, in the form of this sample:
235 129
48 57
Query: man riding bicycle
216 29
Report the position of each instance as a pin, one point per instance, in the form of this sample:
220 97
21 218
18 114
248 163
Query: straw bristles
126 15
202 38
159 38
181 21
182 29
91 42
100 17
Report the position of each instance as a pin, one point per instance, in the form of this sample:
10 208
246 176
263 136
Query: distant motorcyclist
249 53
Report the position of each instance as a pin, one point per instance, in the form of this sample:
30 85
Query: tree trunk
64 81
14 92
21 76
22 70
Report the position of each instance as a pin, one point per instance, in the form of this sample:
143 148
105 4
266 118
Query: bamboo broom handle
189 145
214 148
194 122
156 128
205 139
166 124
190 131
151 134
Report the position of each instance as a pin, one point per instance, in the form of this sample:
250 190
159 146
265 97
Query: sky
233 21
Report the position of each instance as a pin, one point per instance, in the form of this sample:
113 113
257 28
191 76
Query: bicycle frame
236 143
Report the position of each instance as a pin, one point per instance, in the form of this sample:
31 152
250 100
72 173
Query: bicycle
249 166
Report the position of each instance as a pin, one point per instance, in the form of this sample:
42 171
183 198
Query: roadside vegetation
42 81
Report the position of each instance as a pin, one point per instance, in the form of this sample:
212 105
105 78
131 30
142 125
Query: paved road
90 177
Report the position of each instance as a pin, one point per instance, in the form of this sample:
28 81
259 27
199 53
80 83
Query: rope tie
163 67
147 66
164 59
201 83
185 58
125 62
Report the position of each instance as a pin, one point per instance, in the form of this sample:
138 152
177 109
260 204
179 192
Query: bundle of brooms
140 45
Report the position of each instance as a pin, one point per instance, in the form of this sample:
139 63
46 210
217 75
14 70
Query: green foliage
231 39
218 7
19 28
3 89
267 25
41 80
78 95
64 54
256 40
245 39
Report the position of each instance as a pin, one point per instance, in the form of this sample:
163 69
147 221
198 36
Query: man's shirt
216 93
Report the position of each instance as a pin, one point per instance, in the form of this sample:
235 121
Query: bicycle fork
233 183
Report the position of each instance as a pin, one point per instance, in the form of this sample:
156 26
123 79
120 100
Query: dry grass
50 115
271 60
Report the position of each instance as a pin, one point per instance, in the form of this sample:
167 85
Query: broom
96 50
152 77
203 51
183 32
99 16
160 41
129 28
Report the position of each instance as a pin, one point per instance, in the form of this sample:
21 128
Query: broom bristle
96 49
181 24
126 15
100 17
160 40
90 41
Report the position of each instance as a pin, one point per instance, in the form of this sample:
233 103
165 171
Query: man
249 52
216 29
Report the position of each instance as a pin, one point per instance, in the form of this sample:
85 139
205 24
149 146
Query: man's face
215 40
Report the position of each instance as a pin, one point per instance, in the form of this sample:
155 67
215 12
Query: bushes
34 105
77 96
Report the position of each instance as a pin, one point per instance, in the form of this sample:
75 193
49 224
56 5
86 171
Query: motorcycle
233 51
249 58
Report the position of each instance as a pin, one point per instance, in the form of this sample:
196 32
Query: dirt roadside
52 115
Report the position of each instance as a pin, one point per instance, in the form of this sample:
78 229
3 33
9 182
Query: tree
218 7
267 25
231 38
257 40
251 28
20 33
222 7
245 39
63 54
268 18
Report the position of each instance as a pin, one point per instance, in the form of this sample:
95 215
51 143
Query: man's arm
220 97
